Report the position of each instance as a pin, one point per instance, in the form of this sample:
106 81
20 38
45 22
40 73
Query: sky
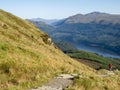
58 9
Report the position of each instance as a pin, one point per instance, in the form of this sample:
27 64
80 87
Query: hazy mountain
94 17
98 32
43 26
94 31
47 21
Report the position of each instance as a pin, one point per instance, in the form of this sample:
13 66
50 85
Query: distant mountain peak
91 13
97 13
96 17
78 15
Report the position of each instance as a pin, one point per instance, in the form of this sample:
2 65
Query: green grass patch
103 61
3 47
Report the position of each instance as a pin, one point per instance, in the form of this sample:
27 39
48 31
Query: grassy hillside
27 58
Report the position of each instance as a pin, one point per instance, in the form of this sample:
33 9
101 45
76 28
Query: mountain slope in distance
98 32
43 26
47 21
94 17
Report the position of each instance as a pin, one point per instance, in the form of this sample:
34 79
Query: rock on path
59 83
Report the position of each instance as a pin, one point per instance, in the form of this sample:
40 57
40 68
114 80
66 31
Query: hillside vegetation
93 60
28 59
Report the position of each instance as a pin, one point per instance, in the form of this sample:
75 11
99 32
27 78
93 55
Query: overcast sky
56 9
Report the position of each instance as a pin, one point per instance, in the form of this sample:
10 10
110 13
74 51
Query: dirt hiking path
59 83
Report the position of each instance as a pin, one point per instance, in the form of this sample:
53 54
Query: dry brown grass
26 60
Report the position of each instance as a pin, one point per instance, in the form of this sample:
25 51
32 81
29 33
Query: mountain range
97 32
47 21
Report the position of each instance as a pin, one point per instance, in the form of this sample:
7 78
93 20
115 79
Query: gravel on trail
59 83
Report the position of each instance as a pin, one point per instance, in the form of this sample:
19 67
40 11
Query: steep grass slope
27 59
